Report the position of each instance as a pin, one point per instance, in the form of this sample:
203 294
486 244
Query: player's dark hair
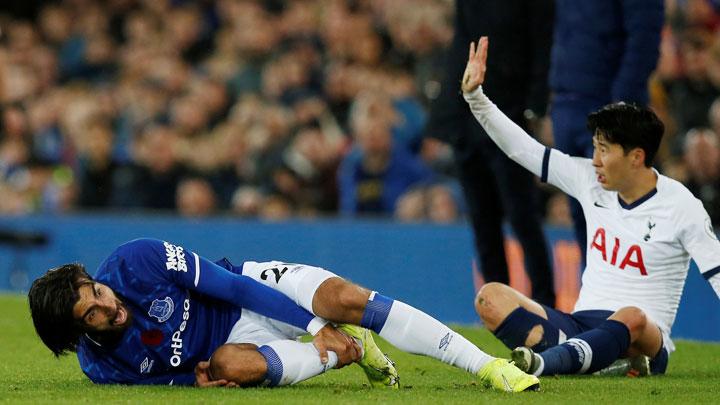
51 300
629 126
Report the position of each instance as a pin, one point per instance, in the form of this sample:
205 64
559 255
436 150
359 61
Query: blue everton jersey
183 307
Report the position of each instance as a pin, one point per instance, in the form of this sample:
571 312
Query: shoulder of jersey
678 192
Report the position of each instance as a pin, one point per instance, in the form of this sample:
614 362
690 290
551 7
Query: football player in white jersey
642 230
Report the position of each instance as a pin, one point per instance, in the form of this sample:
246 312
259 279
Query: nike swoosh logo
598 205
508 388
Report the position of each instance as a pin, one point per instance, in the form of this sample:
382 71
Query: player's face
612 165
100 310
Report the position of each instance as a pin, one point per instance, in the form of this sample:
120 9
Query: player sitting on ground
643 228
156 312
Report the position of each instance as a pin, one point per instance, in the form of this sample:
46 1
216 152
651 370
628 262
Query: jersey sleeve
570 174
172 263
163 379
169 379
698 236
107 370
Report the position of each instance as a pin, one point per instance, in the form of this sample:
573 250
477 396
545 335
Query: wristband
315 325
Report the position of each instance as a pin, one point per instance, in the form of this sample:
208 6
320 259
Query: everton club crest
162 309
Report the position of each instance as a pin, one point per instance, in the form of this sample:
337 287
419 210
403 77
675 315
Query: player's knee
339 293
338 300
351 297
490 292
487 300
633 317
240 363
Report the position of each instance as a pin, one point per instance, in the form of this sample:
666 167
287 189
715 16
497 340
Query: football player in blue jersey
157 313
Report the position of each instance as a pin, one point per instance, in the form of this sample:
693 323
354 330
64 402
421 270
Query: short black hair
629 126
52 298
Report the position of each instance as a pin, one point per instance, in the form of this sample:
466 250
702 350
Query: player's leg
516 320
414 331
300 282
400 324
337 300
628 331
647 341
276 363
240 363
262 351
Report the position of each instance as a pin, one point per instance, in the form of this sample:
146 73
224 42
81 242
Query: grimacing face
100 311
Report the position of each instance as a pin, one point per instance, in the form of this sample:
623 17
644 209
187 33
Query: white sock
416 332
541 367
290 362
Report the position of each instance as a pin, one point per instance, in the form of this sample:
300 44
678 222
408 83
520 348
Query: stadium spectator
195 198
603 51
378 172
691 95
433 203
191 67
714 116
97 167
311 162
151 182
496 188
276 208
702 157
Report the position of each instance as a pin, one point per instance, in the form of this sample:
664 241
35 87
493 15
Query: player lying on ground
156 312
642 228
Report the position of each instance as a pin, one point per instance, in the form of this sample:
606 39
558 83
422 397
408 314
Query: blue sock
659 363
274 366
376 312
589 351
514 330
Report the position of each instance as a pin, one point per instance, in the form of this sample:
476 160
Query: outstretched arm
568 173
510 138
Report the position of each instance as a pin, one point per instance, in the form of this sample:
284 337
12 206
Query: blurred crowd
277 108
685 92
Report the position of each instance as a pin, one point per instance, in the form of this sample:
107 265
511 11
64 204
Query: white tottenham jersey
637 255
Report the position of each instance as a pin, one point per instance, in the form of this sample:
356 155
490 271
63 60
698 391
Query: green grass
30 374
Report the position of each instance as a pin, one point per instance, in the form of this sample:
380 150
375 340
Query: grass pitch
30 374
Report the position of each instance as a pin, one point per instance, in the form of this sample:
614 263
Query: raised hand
476 66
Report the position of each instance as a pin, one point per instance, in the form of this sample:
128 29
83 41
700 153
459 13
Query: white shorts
297 281
260 330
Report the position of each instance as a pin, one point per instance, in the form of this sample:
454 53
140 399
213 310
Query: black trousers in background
496 188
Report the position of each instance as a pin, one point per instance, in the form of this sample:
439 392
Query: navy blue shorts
578 322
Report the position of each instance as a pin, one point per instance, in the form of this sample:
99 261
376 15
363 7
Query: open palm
476 66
